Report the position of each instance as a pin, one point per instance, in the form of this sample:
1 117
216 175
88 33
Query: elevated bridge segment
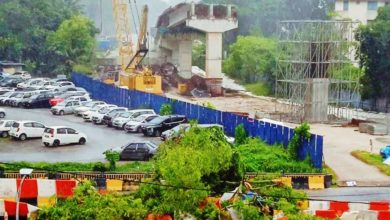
179 26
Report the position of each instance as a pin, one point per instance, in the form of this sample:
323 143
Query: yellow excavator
133 75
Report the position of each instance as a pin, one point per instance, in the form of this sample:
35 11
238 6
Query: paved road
100 138
352 194
339 142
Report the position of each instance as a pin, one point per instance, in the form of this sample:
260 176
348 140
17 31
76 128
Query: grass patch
372 159
258 156
259 88
74 166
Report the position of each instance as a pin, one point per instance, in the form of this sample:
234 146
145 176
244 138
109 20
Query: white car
135 124
87 116
121 120
59 135
30 83
26 129
87 106
23 74
5 127
62 86
2 113
97 117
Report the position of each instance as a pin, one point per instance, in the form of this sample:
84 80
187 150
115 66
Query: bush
166 109
112 156
83 69
240 135
257 156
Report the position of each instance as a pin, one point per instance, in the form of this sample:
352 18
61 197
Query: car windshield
158 120
1 123
14 95
61 104
15 125
87 104
34 96
7 94
104 110
26 95
125 114
140 118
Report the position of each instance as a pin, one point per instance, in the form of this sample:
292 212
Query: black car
38 101
162 123
138 151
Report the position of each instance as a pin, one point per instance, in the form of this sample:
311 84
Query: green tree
251 59
191 168
74 43
199 54
24 27
374 56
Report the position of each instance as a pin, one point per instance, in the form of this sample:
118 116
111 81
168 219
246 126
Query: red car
55 101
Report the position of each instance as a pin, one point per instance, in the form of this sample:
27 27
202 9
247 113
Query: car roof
138 110
26 121
56 127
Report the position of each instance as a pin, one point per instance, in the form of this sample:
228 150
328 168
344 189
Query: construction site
313 81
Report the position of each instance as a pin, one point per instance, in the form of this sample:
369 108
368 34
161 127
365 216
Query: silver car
65 107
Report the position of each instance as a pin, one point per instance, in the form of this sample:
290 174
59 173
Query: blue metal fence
269 133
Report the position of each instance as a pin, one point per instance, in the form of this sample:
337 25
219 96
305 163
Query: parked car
5 100
62 86
5 127
2 113
30 83
87 116
85 106
63 96
38 101
137 151
60 135
18 100
66 107
97 118
120 120
23 74
26 129
134 125
108 118
162 123
11 81
5 96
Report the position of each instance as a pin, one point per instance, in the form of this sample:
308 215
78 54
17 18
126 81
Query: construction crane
133 75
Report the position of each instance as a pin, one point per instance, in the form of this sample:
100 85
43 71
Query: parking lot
100 138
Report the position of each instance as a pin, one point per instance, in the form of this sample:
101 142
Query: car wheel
123 126
22 137
56 143
61 112
2 114
20 105
139 129
4 134
46 144
82 141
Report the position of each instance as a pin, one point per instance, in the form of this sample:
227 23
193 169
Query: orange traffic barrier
379 206
339 207
327 214
383 215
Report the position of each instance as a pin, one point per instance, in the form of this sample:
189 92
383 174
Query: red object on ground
379 206
383 215
55 101
164 217
340 207
10 208
29 188
65 188
327 214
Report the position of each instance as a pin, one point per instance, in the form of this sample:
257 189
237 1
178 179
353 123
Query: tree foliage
251 59
375 55
192 167
73 43
87 203
25 26
199 54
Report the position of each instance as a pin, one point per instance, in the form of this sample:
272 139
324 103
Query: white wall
357 11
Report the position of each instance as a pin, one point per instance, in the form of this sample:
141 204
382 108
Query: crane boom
123 31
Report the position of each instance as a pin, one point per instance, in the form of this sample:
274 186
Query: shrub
166 109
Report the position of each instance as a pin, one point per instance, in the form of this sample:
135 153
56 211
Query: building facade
363 11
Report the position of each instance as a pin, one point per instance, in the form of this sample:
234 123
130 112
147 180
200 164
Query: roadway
99 139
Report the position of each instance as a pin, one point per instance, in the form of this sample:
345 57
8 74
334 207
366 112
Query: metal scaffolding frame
316 49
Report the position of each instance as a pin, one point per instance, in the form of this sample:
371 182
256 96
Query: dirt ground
339 141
